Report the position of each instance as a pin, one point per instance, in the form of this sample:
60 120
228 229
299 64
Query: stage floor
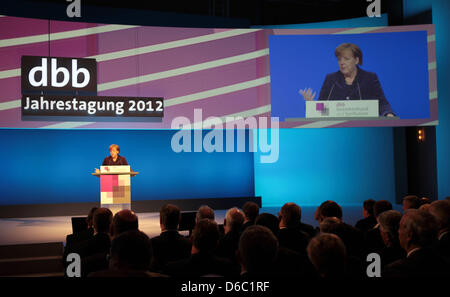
55 229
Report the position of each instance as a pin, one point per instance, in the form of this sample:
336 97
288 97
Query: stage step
41 259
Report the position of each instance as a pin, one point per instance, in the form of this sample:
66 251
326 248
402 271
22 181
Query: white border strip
182 70
62 35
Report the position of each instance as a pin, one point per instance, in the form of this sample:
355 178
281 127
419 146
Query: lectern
115 187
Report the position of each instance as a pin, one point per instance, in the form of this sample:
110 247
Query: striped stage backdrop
224 72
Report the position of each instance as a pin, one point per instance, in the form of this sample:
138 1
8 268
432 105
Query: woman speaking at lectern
351 82
114 159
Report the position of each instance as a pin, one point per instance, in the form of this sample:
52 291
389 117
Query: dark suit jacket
366 224
109 161
308 229
99 243
373 241
201 264
169 246
73 240
421 263
442 247
247 224
228 245
391 254
294 239
366 86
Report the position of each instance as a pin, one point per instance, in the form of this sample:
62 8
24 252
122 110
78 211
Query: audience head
329 209
381 206
102 220
368 208
440 210
389 223
90 217
257 251
331 225
411 202
124 220
417 229
130 250
290 215
204 212
425 207
327 253
169 217
251 211
205 236
270 221
234 219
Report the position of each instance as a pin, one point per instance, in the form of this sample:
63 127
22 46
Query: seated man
372 238
130 256
389 223
327 253
418 230
228 244
251 211
290 235
440 210
203 261
257 252
124 220
369 221
169 245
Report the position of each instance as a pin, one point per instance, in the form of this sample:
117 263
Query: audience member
290 235
204 212
228 244
417 231
257 251
327 253
369 221
389 223
124 220
411 202
373 241
440 210
203 261
251 211
170 245
130 256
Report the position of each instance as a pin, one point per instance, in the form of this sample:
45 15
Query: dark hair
124 220
356 51
132 250
257 249
102 220
251 210
381 206
205 235
330 209
368 206
270 221
90 217
291 213
413 201
169 216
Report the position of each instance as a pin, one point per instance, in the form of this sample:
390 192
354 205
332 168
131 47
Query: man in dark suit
369 220
93 252
228 244
257 252
418 230
441 211
130 256
251 211
372 239
290 235
72 240
389 224
169 245
203 261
